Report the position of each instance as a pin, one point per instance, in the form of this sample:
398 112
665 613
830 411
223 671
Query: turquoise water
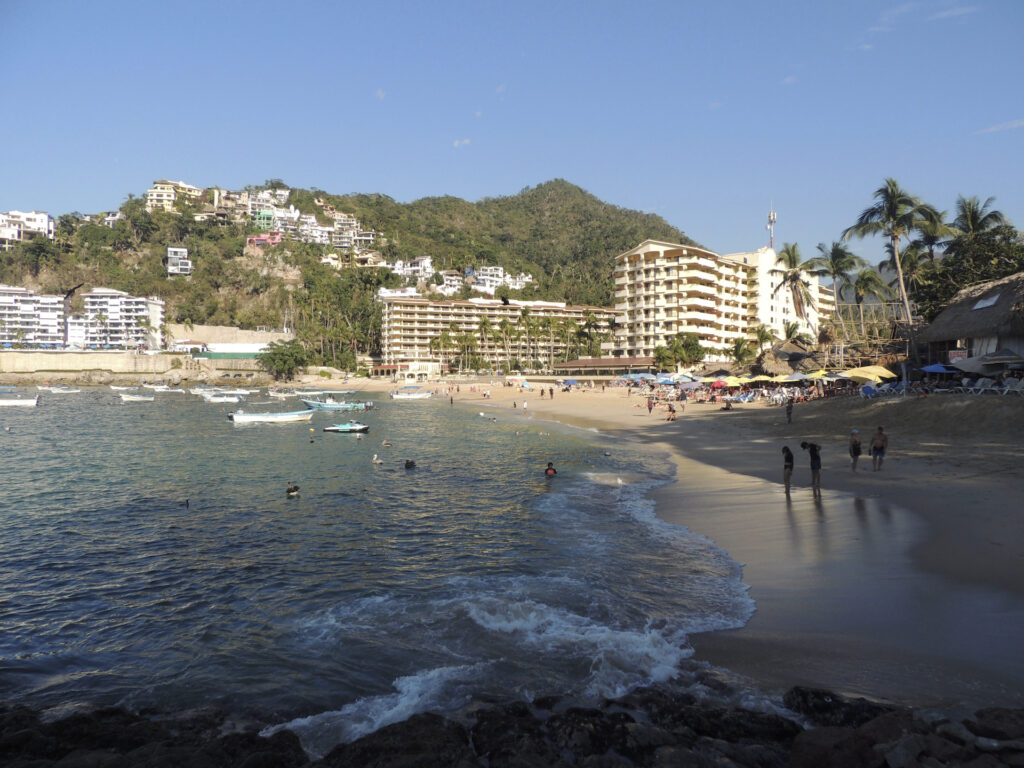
151 558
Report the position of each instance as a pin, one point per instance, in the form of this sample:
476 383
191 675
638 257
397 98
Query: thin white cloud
952 13
1013 124
865 47
887 21
788 80
460 143
714 105
478 113
500 88
381 94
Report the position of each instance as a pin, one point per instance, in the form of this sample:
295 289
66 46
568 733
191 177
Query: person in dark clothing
787 466
814 451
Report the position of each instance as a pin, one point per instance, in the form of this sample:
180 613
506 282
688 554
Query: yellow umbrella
818 374
862 377
780 378
873 372
707 379
732 381
762 377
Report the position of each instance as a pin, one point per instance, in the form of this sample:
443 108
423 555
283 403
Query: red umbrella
717 384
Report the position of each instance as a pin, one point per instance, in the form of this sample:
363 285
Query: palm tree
763 335
868 282
973 216
507 331
933 234
912 262
485 329
836 261
742 351
795 278
524 323
895 214
791 332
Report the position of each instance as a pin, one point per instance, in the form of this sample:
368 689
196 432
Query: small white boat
309 392
122 389
240 417
348 426
128 397
410 393
64 390
213 397
25 402
167 388
330 404
279 395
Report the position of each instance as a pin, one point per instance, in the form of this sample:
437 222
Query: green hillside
562 235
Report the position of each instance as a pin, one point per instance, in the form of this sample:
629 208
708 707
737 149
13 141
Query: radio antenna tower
771 226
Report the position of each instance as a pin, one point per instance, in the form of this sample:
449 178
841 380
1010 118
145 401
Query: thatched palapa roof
786 357
995 308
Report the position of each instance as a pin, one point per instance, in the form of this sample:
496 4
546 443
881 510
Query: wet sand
905 585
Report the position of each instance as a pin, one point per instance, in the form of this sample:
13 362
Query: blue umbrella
570 382
938 368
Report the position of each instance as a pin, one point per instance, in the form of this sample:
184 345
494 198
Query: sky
706 113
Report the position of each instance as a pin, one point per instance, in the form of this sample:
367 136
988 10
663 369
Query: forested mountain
562 235
565 237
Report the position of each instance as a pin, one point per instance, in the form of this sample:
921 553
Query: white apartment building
487 279
163 194
18 226
410 325
27 317
115 319
178 262
421 268
662 289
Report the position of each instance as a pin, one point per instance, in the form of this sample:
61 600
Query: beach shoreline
927 554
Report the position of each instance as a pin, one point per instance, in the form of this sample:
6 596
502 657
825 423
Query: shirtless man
879 442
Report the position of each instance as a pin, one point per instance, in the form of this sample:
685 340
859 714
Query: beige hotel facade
411 324
662 289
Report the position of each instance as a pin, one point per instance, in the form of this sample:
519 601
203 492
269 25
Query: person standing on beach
650 405
787 466
879 442
814 451
789 411
854 448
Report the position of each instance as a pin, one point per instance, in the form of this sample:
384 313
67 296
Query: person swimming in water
293 489
551 471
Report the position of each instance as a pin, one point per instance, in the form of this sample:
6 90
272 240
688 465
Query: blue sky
704 113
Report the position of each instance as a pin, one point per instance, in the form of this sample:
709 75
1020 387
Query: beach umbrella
762 377
818 374
570 382
732 381
796 377
876 371
717 384
681 377
938 368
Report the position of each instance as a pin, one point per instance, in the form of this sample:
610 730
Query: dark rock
547 702
249 750
985 761
744 755
738 725
822 707
834 747
423 741
891 726
997 723
586 731
510 735
903 752
91 758
675 757
944 750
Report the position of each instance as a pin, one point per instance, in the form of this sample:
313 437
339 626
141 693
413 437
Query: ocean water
150 558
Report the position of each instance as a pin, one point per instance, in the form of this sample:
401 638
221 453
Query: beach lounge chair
983 385
1013 385
867 392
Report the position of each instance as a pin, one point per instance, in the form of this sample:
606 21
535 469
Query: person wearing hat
854 448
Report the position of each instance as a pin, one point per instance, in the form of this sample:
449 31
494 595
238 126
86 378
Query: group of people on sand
877 446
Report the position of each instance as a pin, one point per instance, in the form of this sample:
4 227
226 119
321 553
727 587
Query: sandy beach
905 584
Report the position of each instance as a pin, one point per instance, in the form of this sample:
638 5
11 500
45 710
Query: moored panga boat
241 417
348 426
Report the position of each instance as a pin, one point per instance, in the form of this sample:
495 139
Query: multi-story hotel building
163 194
411 324
662 289
115 319
30 318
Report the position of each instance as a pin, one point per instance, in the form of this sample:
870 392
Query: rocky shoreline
648 727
